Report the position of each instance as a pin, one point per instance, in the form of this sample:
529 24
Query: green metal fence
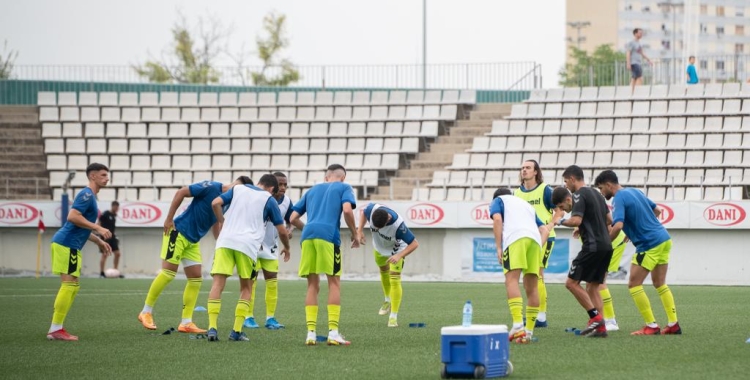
24 92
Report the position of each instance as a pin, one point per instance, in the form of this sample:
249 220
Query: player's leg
308 269
102 264
659 278
598 272
248 273
331 266
541 320
191 264
250 317
271 274
67 263
608 306
640 268
582 269
513 262
223 267
385 281
171 254
397 291
533 253
116 258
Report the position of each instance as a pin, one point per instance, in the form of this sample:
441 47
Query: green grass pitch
113 343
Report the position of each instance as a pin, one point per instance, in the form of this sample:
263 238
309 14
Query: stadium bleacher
675 142
156 142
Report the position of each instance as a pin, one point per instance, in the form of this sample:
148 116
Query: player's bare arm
216 205
179 196
497 229
104 247
406 252
657 211
349 219
361 227
615 230
284 237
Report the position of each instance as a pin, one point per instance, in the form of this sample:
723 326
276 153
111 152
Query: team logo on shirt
139 213
724 214
17 213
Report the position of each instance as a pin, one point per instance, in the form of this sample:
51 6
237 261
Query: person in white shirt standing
243 228
393 241
519 236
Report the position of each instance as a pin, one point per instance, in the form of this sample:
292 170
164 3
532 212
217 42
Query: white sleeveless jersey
269 249
244 227
384 239
519 221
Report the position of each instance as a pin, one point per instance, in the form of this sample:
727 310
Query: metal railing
476 76
711 69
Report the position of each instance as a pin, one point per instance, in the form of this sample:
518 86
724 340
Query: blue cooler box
478 351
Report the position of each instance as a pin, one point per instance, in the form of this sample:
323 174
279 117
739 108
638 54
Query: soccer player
321 252
393 241
635 214
107 220
180 245
243 229
539 195
68 242
268 259
590 214
519 235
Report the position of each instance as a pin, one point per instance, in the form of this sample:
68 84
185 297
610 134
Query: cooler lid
474 330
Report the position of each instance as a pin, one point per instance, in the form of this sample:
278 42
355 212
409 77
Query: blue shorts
636 71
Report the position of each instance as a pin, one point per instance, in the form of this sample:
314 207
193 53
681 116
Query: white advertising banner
674 215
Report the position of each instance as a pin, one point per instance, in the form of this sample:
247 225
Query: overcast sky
51 32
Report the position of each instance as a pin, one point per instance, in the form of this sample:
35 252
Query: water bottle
468 310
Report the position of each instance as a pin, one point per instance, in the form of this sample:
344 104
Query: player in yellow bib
539 195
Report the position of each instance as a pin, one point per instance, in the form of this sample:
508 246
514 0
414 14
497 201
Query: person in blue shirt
68 242
637 215
180 244
392 242
321 253
692 75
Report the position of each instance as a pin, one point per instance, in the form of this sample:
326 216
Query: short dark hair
115 203
269 180
636 30
245 180
95 167
379 218
691 57
501 191
559 194
573 171
279 174
334 167
607 176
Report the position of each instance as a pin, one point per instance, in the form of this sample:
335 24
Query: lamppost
578 25
671 6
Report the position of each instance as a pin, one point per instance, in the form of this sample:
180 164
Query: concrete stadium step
434 165
17 165
502 108
455 140
473 123
22 133
399 192
470 131
21 149
19 114
409 176
486 115
440 156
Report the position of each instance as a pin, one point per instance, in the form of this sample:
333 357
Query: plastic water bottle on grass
468 311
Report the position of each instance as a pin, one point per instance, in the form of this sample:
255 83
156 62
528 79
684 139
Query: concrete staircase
23 165
439 154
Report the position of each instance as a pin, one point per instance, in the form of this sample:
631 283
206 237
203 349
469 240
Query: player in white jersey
243 228
268 258
393 241
519 236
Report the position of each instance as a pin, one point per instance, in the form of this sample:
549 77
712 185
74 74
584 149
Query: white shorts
268 254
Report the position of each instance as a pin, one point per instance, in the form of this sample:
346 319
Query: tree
269 47
190 60
605 67
7 59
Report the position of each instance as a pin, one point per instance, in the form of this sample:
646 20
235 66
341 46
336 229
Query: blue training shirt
692 75
324 204
271 210
197 220
72 236
403 232
636 212
498 207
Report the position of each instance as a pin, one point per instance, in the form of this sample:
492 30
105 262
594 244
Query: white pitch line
91 294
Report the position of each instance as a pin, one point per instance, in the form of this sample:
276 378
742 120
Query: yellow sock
542 295
334 312
214 306
311 316
190 297
240 312
516 309
64 300
396 293
531 313
160 282
385 281
609 307
252 300
643 304
668 301
272 297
